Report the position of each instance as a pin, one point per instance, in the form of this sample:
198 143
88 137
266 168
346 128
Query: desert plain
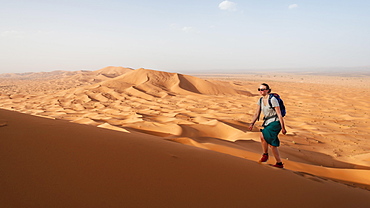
119 137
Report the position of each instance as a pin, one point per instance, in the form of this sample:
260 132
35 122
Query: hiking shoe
264 157
279 165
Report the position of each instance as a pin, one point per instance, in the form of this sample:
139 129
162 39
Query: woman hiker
273 124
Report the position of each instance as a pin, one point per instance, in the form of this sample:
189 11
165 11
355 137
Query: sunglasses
259 89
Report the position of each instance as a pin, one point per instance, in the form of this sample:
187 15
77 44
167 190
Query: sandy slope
54 163
326 121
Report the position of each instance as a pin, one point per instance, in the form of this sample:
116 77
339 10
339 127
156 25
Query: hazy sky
183 35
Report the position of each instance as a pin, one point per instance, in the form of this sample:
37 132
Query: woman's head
264 88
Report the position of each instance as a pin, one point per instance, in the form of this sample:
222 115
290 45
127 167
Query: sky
186 36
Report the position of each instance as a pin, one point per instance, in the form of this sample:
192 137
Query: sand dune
53 163
24 83
159 83
327 122
112 71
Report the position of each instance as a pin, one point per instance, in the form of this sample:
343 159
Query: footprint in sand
3 123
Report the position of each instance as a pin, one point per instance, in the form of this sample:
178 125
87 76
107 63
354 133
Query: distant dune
146 138
24 83
110 71
156 82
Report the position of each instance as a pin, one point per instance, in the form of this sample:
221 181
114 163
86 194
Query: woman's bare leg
276 154
264 144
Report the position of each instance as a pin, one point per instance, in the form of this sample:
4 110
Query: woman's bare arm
255 117
281 119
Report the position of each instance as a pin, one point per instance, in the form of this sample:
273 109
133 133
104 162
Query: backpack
281 103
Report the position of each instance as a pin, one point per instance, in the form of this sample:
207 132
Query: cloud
227 5
292 6
187 29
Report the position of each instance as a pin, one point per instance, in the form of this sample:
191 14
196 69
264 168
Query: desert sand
119 137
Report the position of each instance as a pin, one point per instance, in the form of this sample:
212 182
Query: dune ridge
159 83
325 138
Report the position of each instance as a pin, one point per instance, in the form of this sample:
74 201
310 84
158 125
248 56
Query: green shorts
271 132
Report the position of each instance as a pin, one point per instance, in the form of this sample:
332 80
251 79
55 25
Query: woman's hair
267 86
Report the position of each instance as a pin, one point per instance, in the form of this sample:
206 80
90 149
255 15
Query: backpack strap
258 118
270 103
261 101
265 119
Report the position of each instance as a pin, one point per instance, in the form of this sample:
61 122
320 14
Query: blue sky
184 36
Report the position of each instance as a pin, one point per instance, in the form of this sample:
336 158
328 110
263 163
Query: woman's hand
251 126
283 131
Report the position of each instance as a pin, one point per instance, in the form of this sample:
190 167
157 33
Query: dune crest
112 71
154 82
